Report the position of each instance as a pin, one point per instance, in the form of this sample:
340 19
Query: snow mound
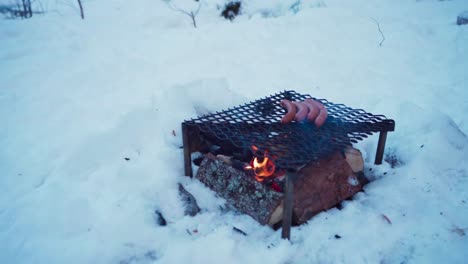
91 114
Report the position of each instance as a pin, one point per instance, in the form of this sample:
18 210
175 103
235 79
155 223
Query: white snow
78 97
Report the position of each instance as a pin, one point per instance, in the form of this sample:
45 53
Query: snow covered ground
78 97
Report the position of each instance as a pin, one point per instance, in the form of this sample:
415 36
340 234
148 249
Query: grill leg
288 205
187 151
380 147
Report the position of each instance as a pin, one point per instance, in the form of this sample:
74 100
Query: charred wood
159 218
190 203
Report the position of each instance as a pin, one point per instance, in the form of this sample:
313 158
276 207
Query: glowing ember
262 167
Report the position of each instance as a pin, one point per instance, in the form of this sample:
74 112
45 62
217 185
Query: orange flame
262 167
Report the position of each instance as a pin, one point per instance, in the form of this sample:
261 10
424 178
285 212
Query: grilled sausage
302 111
314 110
311 109
317 112
291 108
322 117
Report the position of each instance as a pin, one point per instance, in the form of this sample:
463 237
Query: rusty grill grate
292 145
295 144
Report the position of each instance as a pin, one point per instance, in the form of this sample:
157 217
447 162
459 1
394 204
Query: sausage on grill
302 111
322 116
291 111
312 110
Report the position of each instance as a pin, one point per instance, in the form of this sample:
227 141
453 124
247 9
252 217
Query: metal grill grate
295 144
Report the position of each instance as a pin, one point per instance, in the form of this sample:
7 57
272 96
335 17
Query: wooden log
354 158
322 185
241 190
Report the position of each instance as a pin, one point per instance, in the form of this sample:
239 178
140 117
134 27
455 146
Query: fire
262 167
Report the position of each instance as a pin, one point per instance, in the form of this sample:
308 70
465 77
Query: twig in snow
191 14
381 33
387 219
239 231
78 8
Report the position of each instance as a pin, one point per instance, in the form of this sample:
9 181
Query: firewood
241 190
322 185
354 159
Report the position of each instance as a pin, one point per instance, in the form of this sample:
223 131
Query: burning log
320 186
241 190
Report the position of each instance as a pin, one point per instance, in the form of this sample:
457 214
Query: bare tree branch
381 33
191 14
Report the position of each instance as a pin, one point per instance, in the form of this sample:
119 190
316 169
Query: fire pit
260 149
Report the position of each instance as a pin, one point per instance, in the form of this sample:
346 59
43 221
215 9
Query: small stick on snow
239 231
381 33
387 219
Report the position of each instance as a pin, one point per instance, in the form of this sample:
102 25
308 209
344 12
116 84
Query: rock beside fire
190 203
241 190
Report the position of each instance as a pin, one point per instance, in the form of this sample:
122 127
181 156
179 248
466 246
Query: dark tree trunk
24 8
28 2
81 9
27 11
